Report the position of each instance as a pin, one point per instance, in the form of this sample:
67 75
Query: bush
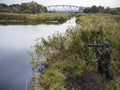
113 11
68 54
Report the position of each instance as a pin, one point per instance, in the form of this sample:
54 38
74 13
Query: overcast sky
111 3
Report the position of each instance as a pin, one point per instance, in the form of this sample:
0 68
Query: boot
100 70
108 76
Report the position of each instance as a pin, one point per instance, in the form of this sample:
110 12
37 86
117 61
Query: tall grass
42 17
67 54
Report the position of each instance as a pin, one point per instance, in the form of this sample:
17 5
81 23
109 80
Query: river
15 42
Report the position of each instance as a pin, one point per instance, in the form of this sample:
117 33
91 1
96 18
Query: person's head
105 43
104 39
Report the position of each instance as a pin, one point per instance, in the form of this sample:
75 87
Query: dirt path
88 81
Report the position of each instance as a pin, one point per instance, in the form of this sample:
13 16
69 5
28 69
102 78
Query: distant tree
42 8
113 11
87 10
95 9
14 5
118 8
32 7
23 7
101 9
106 10
3 6
14 8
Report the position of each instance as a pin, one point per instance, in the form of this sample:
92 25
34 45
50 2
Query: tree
32 7
118 8
14 5
87 10
101 9
14 8
113 11
106 10
41 8
3 6
95 9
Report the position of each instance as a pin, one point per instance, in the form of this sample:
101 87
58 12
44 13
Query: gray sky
111 3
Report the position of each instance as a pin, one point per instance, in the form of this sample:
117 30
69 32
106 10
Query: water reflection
15 41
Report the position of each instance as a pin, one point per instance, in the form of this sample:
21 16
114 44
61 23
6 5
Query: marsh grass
36 18
67 54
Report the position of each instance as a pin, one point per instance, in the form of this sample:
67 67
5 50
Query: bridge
64 8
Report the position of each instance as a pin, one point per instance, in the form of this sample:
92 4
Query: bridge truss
64 8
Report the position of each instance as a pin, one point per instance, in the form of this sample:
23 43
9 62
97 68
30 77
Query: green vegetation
34 18
100 9
68 55
30 7
93 9
113 11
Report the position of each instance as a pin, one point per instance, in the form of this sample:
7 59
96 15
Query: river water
15 42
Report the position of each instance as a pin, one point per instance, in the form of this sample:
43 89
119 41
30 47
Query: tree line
34 7
30 7
95 9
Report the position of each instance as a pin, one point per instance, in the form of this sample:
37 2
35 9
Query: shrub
68 54
113 11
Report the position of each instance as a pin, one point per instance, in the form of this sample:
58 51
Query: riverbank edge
56 68
41 18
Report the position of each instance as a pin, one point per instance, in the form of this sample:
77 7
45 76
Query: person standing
103 55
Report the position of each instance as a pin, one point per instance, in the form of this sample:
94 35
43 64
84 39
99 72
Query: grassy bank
34 18
67 55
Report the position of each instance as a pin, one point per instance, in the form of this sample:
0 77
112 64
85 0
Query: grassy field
34 18
67 54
